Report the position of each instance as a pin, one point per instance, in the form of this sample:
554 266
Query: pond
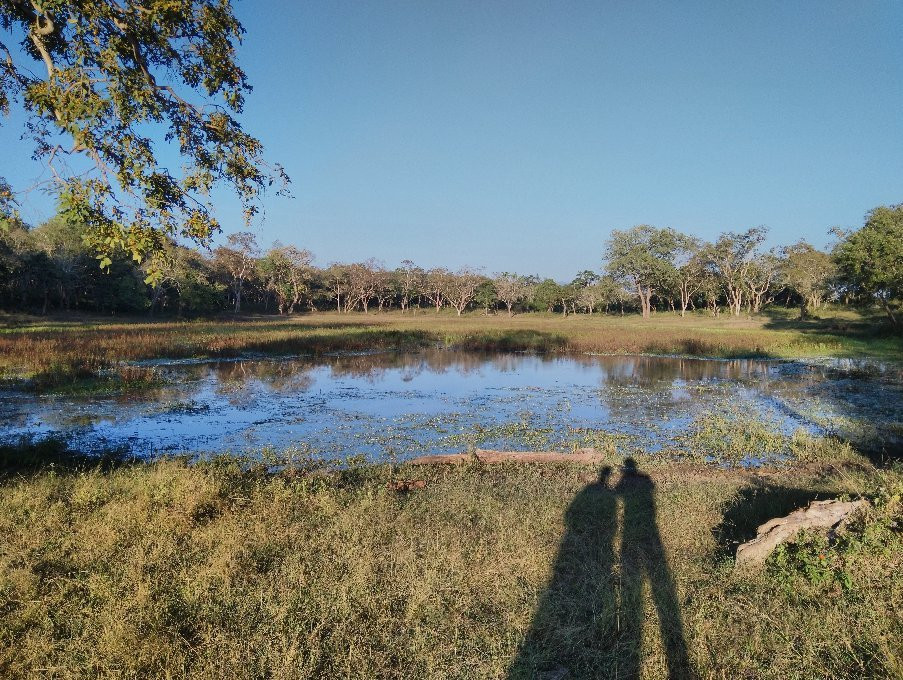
396 406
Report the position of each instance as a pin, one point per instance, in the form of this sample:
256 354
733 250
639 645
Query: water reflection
380 404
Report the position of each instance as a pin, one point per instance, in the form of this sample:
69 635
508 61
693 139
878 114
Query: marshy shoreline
83 353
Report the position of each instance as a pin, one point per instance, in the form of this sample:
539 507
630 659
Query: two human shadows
589 621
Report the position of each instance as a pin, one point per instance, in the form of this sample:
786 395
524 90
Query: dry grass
214 570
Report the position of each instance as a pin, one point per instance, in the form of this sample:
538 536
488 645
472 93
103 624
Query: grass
70 353
223 569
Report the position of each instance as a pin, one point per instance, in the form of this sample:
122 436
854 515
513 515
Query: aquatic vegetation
735 436
402 405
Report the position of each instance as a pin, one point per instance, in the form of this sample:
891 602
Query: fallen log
585 456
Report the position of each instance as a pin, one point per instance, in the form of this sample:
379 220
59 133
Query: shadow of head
604 476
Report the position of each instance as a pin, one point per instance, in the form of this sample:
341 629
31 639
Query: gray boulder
830 515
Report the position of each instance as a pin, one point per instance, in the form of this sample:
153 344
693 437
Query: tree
870 260
486 296
435 284
689 269
385 289
186 283
641 258
461 287
711 290
70 259
239 259
510 289
363 284
123 79
807 272
592 296
761 274
546 295
585 278
410 282
287 272
567 297
731 257
337 280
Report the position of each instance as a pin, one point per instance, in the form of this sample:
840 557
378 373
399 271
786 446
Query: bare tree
510 289
336 279
731 257
410 283
461 287
287 271
239 259
363 281
434 287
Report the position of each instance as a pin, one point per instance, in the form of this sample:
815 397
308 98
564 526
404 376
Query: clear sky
515 136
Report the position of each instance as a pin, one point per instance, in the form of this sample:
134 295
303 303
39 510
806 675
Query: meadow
227 569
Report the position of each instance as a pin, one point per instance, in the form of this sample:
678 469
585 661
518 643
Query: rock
830 515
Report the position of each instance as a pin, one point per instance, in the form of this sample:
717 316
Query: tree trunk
889 311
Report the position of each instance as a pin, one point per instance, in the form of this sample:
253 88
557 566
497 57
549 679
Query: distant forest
51 268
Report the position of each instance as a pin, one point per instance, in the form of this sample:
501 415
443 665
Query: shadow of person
589 620
573 632
642 556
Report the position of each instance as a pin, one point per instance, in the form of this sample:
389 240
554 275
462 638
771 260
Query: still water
392 405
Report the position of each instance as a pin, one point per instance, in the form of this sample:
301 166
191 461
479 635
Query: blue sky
515 136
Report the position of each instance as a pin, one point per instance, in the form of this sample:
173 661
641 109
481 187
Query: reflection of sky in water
443 401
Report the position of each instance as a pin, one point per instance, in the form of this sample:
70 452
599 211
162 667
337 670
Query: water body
392 405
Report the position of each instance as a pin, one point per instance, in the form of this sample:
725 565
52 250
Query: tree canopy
870 260
108 88
49 268
641 257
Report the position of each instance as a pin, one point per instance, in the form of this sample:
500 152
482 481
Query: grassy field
53 353
489 571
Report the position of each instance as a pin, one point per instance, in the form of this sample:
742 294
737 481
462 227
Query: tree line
645 269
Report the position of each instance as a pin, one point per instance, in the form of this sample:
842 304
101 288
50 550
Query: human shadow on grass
589 621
